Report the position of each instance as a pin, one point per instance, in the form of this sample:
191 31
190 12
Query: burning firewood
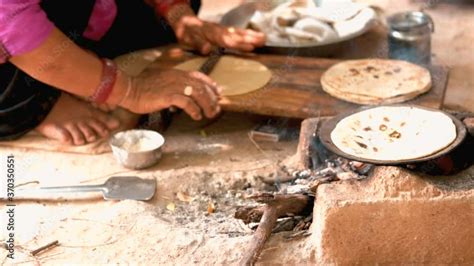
293 198
296 189
276 206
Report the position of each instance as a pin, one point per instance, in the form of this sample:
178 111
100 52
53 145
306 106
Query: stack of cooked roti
394 133
376 81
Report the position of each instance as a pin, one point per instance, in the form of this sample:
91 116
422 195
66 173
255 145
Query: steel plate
240 16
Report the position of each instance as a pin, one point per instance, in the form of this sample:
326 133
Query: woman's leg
74 121
27 104
24 103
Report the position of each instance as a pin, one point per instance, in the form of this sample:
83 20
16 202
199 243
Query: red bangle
107 82
162 7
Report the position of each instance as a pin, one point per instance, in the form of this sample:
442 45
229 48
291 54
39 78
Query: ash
209 204
336 169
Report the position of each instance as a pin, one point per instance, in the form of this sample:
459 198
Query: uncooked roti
235 75
394 133
376 81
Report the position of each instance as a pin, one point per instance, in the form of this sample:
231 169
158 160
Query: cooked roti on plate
376 81
235 75
333 12
301 22
394 133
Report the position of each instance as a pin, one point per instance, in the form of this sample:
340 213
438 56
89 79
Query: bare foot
73 121
127 119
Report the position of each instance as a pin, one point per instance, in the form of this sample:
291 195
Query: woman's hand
193 92
202 35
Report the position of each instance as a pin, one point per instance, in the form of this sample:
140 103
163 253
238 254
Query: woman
53 49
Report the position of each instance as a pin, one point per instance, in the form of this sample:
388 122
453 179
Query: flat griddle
328 126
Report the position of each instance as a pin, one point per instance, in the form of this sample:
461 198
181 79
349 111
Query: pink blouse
24 25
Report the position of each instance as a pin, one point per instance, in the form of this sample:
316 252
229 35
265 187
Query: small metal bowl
137 149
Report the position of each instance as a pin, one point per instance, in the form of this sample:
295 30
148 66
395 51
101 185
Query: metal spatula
115 188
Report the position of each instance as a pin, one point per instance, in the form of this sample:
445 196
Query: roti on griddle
393 133
376 81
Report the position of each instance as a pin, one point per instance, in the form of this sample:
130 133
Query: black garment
25 102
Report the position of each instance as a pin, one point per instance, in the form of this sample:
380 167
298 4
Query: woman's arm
56 60
62 64
59 62
202 35
30 41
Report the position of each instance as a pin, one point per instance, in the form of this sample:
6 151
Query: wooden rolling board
295 89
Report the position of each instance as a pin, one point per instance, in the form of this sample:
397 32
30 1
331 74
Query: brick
395 217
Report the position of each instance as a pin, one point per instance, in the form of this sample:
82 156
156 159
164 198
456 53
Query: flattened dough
394 133
134 63
376 81
236 75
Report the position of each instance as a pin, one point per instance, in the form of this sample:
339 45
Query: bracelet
163 7
129 89
107 82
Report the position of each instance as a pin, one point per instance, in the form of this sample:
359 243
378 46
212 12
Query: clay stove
368 214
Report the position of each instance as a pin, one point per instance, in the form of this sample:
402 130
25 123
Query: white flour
134 141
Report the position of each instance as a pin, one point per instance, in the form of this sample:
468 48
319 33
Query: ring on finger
188 91
231 30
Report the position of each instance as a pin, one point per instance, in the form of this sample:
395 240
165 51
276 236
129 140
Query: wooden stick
308 129
261 235
276 206
45 247
250 214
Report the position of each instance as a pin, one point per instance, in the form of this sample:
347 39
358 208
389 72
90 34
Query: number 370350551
10 177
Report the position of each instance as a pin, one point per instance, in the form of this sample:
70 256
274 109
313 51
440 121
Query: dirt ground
216 170
199 171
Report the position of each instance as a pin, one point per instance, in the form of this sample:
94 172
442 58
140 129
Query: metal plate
240 17
329 125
